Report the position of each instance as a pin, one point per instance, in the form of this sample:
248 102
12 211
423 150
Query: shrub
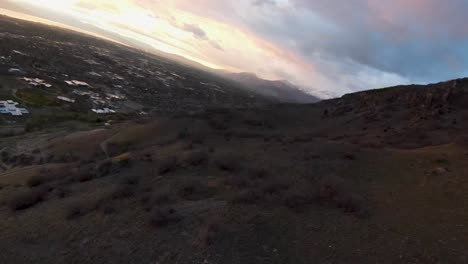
208 231
296 198
249 196
349 156
193 189
25 160
257 173
109 210
5 155
337 192
122 191
330 187
195 158
162 197
163 216
228 162
37 180
62 192
130 180
238 180
84 176
103 168
349 203
275 187
28 198
80 208
167 165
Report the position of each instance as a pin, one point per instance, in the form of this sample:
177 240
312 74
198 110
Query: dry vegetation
220 181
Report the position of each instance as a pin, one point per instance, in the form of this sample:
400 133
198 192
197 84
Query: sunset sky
331 47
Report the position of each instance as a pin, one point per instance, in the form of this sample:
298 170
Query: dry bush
163 216
350 203
130 180
253 176
195 158
103 168
168 165
330 187
240 180
193 189
218 124
84 176
275 186
28 198
5 156
80 207
37 180
62 192
249 196
109 210
208 230
122 191
349 156
296 200
158 198
228 162
339 193
257 173
25 160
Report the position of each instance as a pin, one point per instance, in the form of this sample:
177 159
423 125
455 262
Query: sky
328 48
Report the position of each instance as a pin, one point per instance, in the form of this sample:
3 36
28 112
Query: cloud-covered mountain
279 90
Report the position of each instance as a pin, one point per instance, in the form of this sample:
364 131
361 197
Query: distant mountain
279 90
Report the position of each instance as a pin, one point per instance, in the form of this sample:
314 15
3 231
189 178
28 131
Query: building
10 107
77 83
66 99
36 82
82 93
103 111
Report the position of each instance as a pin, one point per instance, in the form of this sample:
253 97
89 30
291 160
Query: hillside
277 184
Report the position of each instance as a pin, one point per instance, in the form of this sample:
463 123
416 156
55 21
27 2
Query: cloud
331 46
195 30
263 2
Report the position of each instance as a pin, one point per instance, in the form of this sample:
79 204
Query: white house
9 107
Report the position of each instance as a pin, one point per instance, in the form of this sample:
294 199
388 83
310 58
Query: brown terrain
373 177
